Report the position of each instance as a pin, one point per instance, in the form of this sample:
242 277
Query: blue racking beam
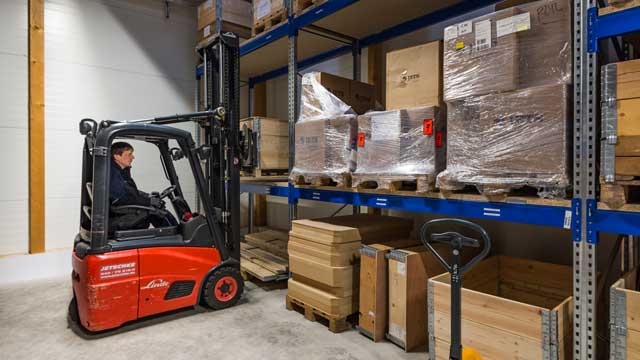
614 24
265 189
556 216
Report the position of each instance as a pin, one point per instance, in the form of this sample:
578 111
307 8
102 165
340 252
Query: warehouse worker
124 191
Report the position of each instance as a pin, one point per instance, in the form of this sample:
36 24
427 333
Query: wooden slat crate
373 287
272 241
618 6
621 118
624 319
262 264
511 309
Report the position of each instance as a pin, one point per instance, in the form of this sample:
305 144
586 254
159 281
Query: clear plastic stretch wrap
401 145
516 48
498 142
325 136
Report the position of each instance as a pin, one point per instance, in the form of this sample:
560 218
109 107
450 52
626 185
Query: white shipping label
465 28
402 268
207 30
483 35
385 126
513 24
264 8
567 219
450 32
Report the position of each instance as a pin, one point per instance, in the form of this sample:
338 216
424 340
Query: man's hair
117 148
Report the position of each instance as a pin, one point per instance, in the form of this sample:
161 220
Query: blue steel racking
582 215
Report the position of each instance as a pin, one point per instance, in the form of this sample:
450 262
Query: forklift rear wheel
223 288
73 310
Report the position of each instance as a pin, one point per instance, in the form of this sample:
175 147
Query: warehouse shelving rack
334 28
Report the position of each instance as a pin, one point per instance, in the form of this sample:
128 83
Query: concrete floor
33 326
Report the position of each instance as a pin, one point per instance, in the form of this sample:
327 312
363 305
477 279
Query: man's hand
156 202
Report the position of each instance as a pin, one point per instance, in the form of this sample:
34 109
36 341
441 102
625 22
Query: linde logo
156 283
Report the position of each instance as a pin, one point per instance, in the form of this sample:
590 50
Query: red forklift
122 276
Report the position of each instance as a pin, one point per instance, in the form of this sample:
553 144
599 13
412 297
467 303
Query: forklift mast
221 58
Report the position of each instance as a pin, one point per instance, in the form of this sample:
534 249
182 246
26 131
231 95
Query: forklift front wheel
223 288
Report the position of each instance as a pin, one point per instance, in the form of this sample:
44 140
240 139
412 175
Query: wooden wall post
36 127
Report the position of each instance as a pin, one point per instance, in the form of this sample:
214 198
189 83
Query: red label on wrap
427 127
360 139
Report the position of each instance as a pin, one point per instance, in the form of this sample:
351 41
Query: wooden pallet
272 241
621 193
336 324
500 192
300 6
260 173
344 180
618 7
394 183
269 21
262 264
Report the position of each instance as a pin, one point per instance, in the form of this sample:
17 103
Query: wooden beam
36 126
260 109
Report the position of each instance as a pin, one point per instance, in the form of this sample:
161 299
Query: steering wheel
456 241
168 191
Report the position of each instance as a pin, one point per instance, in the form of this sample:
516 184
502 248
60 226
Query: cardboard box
360 96
401 142
233 11
476 61
325 146
510 140
272 137
515 48
263 8
414 76
373 287
506 304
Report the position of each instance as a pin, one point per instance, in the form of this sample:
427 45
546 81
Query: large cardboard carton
233 11
414 76
360 96
325 147
406 142
514 48
510 140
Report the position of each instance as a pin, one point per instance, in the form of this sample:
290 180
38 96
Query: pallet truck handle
455 240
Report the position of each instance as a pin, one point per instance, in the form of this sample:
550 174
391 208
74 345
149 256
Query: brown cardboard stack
263 9
325 148
326 130
506 78
360 96
272 141
323 258
236 17
400 145
414 76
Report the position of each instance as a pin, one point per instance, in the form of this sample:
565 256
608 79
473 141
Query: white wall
14 142
110 59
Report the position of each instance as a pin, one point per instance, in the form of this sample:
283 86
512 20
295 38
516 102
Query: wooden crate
511 309
373 293
264 9
322 300
335 324
618 6
409 270
272 137
624 319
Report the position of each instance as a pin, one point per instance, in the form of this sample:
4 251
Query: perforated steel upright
293 92
584 246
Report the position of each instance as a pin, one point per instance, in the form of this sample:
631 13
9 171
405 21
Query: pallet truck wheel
223 288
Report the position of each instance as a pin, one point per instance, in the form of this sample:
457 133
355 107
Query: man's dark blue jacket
123 190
